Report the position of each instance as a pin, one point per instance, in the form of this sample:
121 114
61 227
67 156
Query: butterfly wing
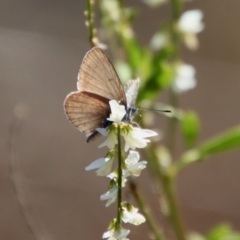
131 89
87 111
98 83
97 75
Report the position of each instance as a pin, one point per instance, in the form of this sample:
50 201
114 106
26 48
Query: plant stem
119 207
121 3
145 210
172 123
89 24
173 98
174 215
167 178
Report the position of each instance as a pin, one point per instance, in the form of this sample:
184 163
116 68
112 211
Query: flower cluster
131 167
184 78
190 24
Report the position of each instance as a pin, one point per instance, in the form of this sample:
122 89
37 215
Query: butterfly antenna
156 110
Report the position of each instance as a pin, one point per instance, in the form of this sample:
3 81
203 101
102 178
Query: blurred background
42 44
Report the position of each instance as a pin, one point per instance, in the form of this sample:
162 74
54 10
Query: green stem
91 31
119 207
172 123
176 8
143 207
166 177
174 215
121 3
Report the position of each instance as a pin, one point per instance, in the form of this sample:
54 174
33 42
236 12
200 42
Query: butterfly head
130 113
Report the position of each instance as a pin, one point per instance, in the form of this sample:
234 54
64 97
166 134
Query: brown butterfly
98 83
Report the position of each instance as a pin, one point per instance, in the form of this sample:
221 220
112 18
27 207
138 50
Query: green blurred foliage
227 141
223 232
190 127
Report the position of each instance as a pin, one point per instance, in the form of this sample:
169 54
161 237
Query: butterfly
98 83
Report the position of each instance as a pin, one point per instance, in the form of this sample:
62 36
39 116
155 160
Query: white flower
185 78
159 40
114 177
110 195
190 23
117 112
104 166
119 234
135 138
112 9
133 167
111 140
132 216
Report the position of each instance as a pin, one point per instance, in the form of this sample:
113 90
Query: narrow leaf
227 141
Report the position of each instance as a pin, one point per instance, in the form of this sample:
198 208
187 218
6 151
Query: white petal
133 217
144 133
121 233
159 40
133 157
110 142
135 170
107 234
117 112
104 166
111 200
110 195
190 21
136 138
96 164
185 78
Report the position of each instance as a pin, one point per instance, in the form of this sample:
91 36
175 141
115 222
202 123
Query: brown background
42 44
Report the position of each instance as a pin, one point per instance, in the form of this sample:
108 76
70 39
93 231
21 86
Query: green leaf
133 50
160 78
223 232
124 71
190 127
165 75
227 141
145 65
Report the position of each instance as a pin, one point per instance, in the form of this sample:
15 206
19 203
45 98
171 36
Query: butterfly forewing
131 89
97 75
87 111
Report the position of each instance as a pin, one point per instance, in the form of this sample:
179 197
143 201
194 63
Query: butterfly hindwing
87 111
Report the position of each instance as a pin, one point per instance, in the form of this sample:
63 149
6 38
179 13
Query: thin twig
143 207
90 23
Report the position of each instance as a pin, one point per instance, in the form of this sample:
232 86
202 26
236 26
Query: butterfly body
98 83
